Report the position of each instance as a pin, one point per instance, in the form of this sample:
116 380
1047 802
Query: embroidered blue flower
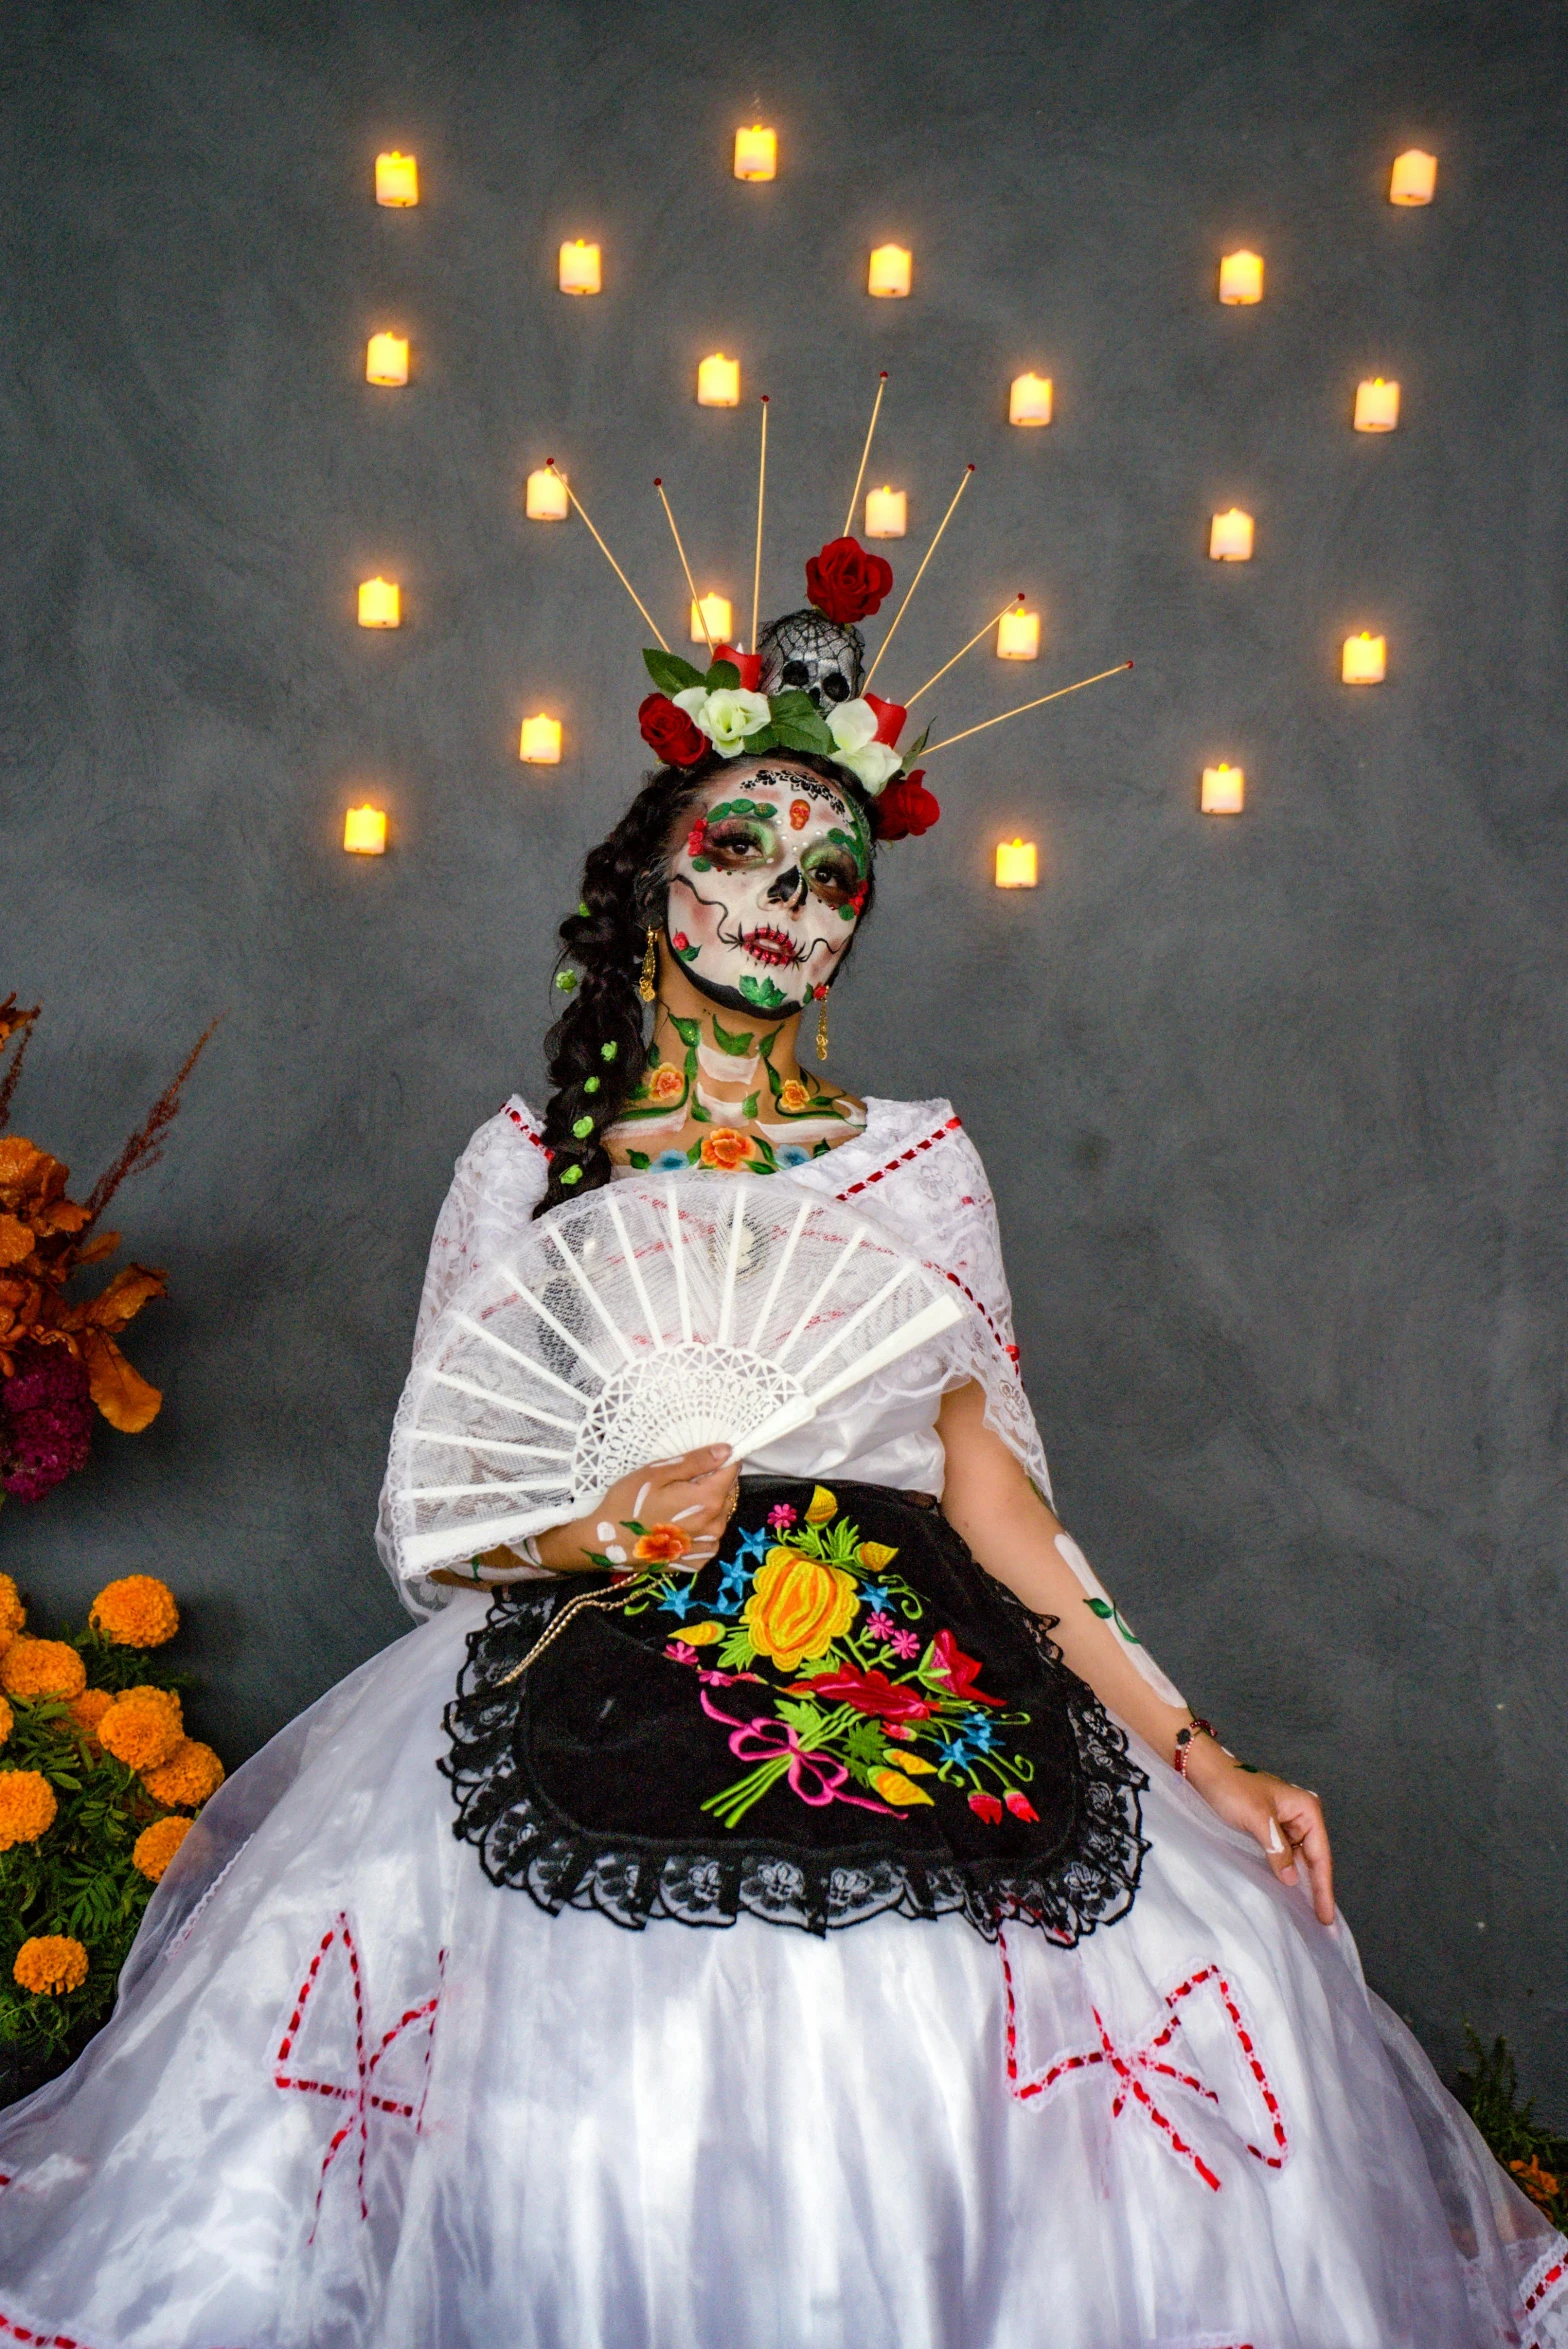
877 1596
678 1601
975 1737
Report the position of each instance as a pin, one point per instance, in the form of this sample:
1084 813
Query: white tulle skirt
354 2094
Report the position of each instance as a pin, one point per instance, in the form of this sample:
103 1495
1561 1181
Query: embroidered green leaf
737 1651
807 1720
671 674
740 1042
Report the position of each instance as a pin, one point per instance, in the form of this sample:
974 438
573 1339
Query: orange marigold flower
142 1727
156 1846
136 1612
191 1773
89 1708
7 1720
12 1612
32 1668
27 1807
661 1545
725 1149
50 1964
1540 2184
793 1096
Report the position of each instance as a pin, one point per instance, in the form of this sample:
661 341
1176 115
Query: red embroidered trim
954 1125
1127 2065
361 2095
1010 1351
1554 2275
530 1133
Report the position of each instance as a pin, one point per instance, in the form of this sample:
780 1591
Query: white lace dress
354 2093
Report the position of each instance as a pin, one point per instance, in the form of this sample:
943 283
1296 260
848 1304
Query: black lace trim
524 1843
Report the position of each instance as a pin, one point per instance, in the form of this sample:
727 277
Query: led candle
545 499
386 359
397 179
890 271
1241 278
380 604
1363 659
711 620
579 268
1224 790
540 741
1230 537
1018 636
887 512
1017 864
756 153
1377 406
365 831
1029 400
718 382
1414 178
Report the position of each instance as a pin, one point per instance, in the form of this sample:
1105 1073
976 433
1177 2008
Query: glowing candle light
711 620
1224 790
578 268
1230 537
756 153
1363 659
386 359
1029 400
1377 406
1017 864
545 498
1018 636
718 382
887 512
1414 177
380 604
1241 278
890 270
540 741
397 179
365 831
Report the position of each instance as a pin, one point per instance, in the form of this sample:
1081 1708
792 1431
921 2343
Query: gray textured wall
1274 1108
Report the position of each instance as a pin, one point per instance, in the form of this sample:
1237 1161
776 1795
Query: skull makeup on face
766 888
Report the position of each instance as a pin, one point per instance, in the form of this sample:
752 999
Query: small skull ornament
805 653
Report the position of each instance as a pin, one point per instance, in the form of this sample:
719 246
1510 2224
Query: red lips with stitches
775 947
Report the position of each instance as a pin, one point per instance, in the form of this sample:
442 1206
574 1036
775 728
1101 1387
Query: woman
1019 2013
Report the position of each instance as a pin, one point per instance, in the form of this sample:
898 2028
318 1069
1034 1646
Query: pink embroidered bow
816 1778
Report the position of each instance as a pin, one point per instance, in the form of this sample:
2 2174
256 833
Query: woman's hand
1286 1820
691 1497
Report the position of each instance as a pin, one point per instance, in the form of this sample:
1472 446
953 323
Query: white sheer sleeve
496 1185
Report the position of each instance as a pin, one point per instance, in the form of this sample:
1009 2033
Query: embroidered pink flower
899 1729
881 1626
905 1644
946 1666
869 1692
1019 1804
986 1807
679 1653
781 1517
726 1679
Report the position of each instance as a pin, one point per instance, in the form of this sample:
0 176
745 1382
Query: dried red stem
144 1148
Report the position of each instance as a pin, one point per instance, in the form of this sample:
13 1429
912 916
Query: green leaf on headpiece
670 673
798 734
914 750
765 738
723 677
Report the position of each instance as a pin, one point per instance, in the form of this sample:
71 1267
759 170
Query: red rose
890 716
947 1665
904 807
986 1807
669 733
749 665
846 583
1020 1805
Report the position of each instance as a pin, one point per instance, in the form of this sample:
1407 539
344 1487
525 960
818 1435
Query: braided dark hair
596 1050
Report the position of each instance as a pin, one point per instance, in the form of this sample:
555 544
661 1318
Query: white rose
873 767
853 725
726 717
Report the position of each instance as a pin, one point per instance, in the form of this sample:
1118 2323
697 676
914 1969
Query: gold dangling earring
646 986
822 1030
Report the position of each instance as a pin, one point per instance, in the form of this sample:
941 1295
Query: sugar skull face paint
766 888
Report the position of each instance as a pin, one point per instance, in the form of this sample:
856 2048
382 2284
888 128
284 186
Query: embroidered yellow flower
793 1097
49 1964
821 1506
915 1764
895 1788
138 1611
32 1668
798 1608
156 1846
703 1635
875 1555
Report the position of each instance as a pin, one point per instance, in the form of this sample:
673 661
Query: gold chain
619 1597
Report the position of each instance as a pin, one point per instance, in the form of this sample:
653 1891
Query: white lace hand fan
653 1317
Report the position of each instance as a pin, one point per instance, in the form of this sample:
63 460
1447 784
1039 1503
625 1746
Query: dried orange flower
156 1846
191 1773
50 1964
142 1727
32 1668
136 1612
12 1612
27 1807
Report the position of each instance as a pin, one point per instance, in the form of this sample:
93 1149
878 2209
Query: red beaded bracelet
1196 1727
